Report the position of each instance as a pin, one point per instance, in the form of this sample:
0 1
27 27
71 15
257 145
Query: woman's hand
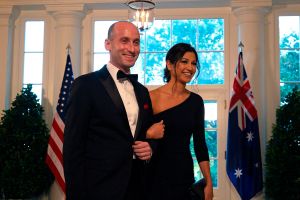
208 192
208 189
156 131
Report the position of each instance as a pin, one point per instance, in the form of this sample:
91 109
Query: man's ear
107 44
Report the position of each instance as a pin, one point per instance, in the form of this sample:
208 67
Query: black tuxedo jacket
97 150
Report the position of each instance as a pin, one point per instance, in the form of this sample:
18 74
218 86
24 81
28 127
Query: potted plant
283 152
23 146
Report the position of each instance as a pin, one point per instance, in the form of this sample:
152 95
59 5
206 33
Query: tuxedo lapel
112 90
138 95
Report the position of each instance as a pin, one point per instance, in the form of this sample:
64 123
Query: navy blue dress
171 168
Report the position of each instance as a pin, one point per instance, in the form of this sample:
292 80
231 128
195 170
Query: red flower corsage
146 106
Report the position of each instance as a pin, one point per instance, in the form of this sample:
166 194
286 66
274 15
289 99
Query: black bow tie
122 76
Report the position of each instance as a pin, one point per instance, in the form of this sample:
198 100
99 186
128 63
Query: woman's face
185 68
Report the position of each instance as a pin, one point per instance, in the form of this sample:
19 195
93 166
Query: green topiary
23 146
283 152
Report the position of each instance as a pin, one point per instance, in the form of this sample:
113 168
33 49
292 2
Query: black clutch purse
197 190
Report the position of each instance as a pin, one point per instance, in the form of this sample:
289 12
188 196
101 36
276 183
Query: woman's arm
201 149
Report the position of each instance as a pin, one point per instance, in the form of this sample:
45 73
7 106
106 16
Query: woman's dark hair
175 54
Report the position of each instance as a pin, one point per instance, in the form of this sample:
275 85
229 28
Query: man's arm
76 123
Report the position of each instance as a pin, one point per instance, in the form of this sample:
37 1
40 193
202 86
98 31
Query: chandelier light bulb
141 13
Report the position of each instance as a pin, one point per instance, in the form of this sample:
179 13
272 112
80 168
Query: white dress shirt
128 97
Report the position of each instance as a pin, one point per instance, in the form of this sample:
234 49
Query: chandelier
141 13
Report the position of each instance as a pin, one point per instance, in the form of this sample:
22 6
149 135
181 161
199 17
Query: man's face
123 45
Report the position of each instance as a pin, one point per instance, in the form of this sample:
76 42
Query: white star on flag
238 173
250 136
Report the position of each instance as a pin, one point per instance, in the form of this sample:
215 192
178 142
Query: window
211 131
33 56
207 36
289 32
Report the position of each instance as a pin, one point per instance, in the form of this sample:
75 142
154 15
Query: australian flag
243 158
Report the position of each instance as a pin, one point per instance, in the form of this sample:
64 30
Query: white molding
120 4
246 3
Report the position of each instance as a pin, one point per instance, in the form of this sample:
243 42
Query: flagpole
68 48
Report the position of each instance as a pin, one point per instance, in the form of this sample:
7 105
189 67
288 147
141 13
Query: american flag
243 158
54 157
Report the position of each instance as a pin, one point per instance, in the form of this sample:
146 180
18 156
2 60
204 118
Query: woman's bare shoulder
155 93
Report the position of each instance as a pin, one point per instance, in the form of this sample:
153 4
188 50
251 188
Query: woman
171 168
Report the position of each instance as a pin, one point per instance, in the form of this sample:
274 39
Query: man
107 117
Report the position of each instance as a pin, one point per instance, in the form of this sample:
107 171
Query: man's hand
142 150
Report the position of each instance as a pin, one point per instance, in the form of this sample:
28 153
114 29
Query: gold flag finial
68 48
241 46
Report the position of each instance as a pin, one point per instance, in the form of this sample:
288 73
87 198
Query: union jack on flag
54 157
243 157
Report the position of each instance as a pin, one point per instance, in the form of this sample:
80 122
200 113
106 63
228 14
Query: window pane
34 36
143 42
100 59
289 65
138 68
213 169
211 34
155 65
211 141
211 68
184 31
210 114
211 117
33 68
100 34
159 36
289 31
285 88
37 90
214 172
